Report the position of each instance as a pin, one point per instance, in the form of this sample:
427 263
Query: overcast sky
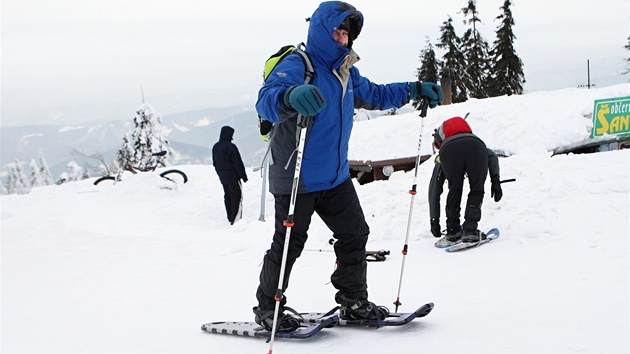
73 61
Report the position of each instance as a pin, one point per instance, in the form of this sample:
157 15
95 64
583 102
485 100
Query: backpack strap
309 74
308 65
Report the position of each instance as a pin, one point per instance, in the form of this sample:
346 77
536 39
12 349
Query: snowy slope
135 268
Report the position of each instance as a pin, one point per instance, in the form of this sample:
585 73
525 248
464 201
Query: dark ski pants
232 197
340 210
465 155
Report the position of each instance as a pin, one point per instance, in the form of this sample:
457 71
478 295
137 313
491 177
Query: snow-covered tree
3 189
476 50
36 179
74 172
146 140
453 61
10 179
17 180
507 68
125 154
44 172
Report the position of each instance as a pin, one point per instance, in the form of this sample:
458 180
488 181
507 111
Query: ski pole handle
508 180
303 121
424 105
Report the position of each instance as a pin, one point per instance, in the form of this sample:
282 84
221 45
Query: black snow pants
232 198
464 156
340 210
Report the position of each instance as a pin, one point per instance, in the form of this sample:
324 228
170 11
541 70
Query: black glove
436 230
495 190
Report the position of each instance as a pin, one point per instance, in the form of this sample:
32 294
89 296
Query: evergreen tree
75 172
18 182
125 154
36 178
507 71
428 71
453 61
44 172
11 179
146 140
476 52
3 189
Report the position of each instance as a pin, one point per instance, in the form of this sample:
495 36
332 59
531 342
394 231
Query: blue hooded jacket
325 159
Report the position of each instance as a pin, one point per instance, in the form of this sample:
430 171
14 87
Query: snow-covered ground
135 268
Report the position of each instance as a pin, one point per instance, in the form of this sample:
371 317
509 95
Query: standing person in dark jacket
325 186
461 153
229 166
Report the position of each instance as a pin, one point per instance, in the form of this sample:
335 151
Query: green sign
611 116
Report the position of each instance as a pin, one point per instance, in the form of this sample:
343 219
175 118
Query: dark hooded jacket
226 158
325 159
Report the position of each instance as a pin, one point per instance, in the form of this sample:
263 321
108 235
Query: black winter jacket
226 158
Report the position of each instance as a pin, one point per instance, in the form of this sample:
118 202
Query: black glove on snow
435 228
495 190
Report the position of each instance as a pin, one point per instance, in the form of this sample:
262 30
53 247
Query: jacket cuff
285 99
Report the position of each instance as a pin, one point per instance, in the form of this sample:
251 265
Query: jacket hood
227 133
320 45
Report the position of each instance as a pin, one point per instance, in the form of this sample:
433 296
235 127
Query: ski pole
423 113
302 127
264 171
264 167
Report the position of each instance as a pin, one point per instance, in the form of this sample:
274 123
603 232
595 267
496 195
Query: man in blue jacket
325 186
229 166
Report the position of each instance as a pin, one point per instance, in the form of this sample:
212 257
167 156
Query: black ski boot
285 323
472 236
453 234
364 310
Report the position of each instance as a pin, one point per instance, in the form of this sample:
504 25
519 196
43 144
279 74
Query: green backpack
264 125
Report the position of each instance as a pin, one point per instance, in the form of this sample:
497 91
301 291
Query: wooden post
445 82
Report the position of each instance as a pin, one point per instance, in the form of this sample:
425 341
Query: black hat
345 25
353 25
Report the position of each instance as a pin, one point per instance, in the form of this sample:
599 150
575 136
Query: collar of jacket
343 70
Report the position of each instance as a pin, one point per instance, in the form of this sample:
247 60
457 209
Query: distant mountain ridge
191 135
